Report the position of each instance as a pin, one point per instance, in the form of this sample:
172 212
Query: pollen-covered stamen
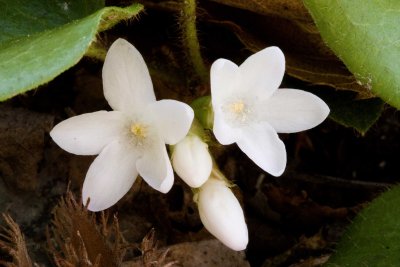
139 132
237 111
237 107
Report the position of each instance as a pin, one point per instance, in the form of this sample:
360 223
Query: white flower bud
192 161
222 214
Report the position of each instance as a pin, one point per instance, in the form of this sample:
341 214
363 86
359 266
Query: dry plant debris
77 239
13 243
151 256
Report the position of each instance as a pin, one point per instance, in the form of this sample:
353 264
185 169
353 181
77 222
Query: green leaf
373 238
41 39
348 111
360 114
203 111
365 35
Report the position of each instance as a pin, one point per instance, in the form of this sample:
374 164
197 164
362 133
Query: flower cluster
249 110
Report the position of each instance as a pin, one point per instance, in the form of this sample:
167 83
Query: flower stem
190 40
97 51
216 173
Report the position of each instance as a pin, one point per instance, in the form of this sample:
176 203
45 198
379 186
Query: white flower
250 110
192 160
222 215
129 140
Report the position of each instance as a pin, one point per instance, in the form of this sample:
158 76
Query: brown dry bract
14 244
151 256
76 239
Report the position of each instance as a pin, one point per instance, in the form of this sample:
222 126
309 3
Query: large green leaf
373 239
41 39
365 35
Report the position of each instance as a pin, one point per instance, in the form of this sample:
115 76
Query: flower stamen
139 130
237 107
237 111
139 134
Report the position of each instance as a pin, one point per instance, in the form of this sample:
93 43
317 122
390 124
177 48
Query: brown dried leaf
314 64
290 9
307 56
78 240
312 262
14 244
302 209
316 242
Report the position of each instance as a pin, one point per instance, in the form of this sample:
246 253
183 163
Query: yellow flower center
237 111
237 107
139 130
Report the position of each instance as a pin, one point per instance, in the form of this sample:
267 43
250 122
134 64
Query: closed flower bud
192 161
222 214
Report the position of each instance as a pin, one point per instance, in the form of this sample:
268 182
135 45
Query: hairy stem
190 40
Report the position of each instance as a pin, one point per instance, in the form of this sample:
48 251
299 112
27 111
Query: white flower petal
155 167
110 176
126 79
225 80
89 133
224 133
262 72
292 110
222 215
168 182
192 161
172 119
261 144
